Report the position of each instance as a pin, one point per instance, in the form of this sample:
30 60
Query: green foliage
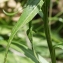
29 31
28 14
47 31
10 14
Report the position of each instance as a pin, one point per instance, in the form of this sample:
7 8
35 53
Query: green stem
29 33
47 30
30 36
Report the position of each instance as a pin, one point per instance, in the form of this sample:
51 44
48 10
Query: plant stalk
30 36
47 30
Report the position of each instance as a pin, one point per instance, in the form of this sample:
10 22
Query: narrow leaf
59 46
28 52
42 60
10 14
28 14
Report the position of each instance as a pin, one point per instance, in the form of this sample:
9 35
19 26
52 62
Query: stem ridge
47 31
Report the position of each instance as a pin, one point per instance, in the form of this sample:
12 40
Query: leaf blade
28 14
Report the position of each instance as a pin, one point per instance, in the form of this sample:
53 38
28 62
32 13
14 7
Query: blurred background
15 54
